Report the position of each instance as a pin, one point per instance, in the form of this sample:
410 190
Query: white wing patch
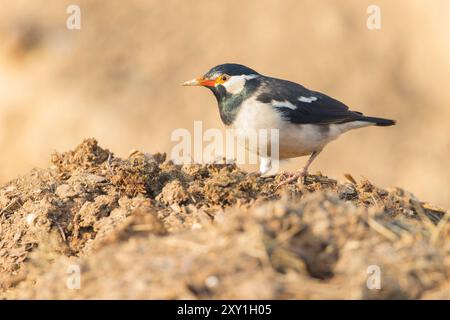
283 104
307 99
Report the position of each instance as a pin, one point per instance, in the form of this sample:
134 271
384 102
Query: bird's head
225 80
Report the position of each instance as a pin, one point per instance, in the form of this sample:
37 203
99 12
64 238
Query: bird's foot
298 177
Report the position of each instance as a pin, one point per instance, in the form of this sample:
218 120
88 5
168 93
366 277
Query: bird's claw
299 177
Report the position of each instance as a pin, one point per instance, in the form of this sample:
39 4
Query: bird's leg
265 165
300 175
304 172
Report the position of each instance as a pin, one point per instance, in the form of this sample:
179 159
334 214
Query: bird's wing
298 104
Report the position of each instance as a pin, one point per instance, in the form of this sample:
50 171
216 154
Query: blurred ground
117 78
142 228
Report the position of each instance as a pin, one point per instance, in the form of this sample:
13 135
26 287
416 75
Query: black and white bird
307 120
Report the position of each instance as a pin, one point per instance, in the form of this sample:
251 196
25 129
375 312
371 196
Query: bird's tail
381 122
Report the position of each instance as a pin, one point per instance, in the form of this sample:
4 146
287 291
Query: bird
306 120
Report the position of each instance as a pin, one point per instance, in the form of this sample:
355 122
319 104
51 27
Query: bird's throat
230 104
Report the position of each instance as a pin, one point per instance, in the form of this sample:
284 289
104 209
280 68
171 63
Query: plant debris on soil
145 228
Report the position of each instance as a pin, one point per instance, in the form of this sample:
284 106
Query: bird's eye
225 77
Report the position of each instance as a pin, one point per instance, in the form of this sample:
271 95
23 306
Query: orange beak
200 82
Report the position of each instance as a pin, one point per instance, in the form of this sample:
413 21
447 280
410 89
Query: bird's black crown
231 69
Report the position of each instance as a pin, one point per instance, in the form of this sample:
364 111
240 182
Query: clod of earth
143 227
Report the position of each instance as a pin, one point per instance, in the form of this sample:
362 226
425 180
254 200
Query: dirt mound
142 227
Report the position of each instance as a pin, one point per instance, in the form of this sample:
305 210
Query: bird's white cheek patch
307 99
236 84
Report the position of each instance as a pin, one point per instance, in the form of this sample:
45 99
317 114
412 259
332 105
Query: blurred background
118 78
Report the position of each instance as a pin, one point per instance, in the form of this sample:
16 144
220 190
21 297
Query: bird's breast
294 140
255 115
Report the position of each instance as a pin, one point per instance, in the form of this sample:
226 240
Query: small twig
423 216
381 229
350 178
61 231
436 232
108 163
375 201
13 201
